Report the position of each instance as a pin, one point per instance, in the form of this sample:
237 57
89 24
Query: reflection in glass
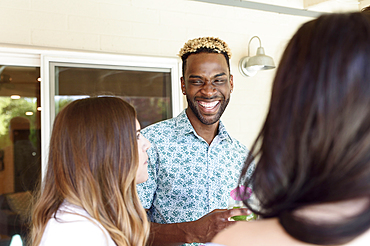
148 91
20 147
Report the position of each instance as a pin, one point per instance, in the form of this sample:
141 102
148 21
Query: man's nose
208 89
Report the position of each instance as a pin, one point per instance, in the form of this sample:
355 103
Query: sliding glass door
20 146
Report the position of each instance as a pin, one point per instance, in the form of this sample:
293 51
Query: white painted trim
46 118
265 7
19 59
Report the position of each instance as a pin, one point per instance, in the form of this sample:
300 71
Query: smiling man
193 162
207 84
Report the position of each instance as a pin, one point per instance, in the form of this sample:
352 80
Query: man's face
207 84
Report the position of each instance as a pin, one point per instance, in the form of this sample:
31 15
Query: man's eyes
220 81
216 81
196 82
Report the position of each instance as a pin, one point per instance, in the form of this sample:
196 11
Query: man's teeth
208 105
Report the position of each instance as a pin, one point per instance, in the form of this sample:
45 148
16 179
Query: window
41 83
149 90
20 140
151 84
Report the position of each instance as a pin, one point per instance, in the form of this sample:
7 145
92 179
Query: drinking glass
234 202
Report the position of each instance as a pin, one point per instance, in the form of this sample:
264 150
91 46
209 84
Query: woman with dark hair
312 177
97 156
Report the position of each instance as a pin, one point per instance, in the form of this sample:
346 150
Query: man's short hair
204 45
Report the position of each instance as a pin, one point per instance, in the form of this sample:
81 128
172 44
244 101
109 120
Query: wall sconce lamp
250 65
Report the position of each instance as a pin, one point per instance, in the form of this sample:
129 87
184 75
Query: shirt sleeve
147 189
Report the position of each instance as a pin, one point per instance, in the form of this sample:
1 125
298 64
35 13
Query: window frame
45 58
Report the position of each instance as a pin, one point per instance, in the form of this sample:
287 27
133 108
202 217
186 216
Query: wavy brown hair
314 147
93 159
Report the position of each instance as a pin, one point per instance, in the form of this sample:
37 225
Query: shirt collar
184 126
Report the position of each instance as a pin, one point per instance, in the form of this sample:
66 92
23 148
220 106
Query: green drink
249 217
235 201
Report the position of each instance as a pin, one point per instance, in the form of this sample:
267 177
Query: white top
74 227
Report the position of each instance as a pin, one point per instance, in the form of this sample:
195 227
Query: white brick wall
364 3
157 28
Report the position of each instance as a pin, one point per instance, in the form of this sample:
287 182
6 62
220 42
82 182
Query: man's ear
231 82
183 85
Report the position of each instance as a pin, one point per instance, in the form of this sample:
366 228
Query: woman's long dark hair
314 146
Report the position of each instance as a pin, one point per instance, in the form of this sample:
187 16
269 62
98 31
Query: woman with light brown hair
97 156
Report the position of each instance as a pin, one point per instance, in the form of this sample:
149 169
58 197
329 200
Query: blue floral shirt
187 177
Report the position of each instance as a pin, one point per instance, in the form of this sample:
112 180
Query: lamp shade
260 61
250 65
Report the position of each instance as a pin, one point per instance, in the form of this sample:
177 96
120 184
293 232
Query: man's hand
205 228
199 231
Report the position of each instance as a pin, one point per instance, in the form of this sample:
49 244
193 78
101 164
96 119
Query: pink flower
241 193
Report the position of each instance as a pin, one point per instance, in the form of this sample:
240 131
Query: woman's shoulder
363 239
260 232
73 226
267 232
